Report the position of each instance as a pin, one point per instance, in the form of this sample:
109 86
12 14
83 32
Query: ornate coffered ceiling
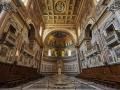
59 12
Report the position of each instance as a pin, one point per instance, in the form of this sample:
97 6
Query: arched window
69 52
25 2
40 32
78 31
63 53
97 0
49 52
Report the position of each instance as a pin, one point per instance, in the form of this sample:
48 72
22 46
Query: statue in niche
59 71
59 67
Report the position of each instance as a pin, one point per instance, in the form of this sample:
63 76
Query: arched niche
31 35
88 32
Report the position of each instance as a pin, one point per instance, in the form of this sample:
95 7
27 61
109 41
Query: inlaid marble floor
61 82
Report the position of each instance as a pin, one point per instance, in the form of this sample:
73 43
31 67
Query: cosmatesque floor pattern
61 82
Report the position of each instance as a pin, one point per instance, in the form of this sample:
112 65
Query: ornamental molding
114 6
7 7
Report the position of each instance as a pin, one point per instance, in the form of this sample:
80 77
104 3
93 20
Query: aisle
62 82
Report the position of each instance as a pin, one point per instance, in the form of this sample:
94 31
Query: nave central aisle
63 82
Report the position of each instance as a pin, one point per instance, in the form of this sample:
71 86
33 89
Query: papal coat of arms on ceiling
60 6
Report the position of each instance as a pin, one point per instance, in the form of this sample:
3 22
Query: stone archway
48 31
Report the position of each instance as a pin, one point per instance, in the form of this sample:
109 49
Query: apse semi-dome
59 39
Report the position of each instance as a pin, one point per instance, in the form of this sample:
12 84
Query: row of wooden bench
16 82
108 75
13 75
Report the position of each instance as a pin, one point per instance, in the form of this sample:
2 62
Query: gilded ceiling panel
59 11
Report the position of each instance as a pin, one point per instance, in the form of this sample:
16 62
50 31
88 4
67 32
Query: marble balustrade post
3 15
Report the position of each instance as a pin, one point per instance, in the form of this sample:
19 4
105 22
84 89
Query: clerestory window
25 2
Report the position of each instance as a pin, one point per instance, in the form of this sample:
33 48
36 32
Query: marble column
78 58
3 15
7 8
5 12
117 13
41 58
38 61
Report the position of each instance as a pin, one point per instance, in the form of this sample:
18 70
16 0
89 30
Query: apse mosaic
59 40
58 44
